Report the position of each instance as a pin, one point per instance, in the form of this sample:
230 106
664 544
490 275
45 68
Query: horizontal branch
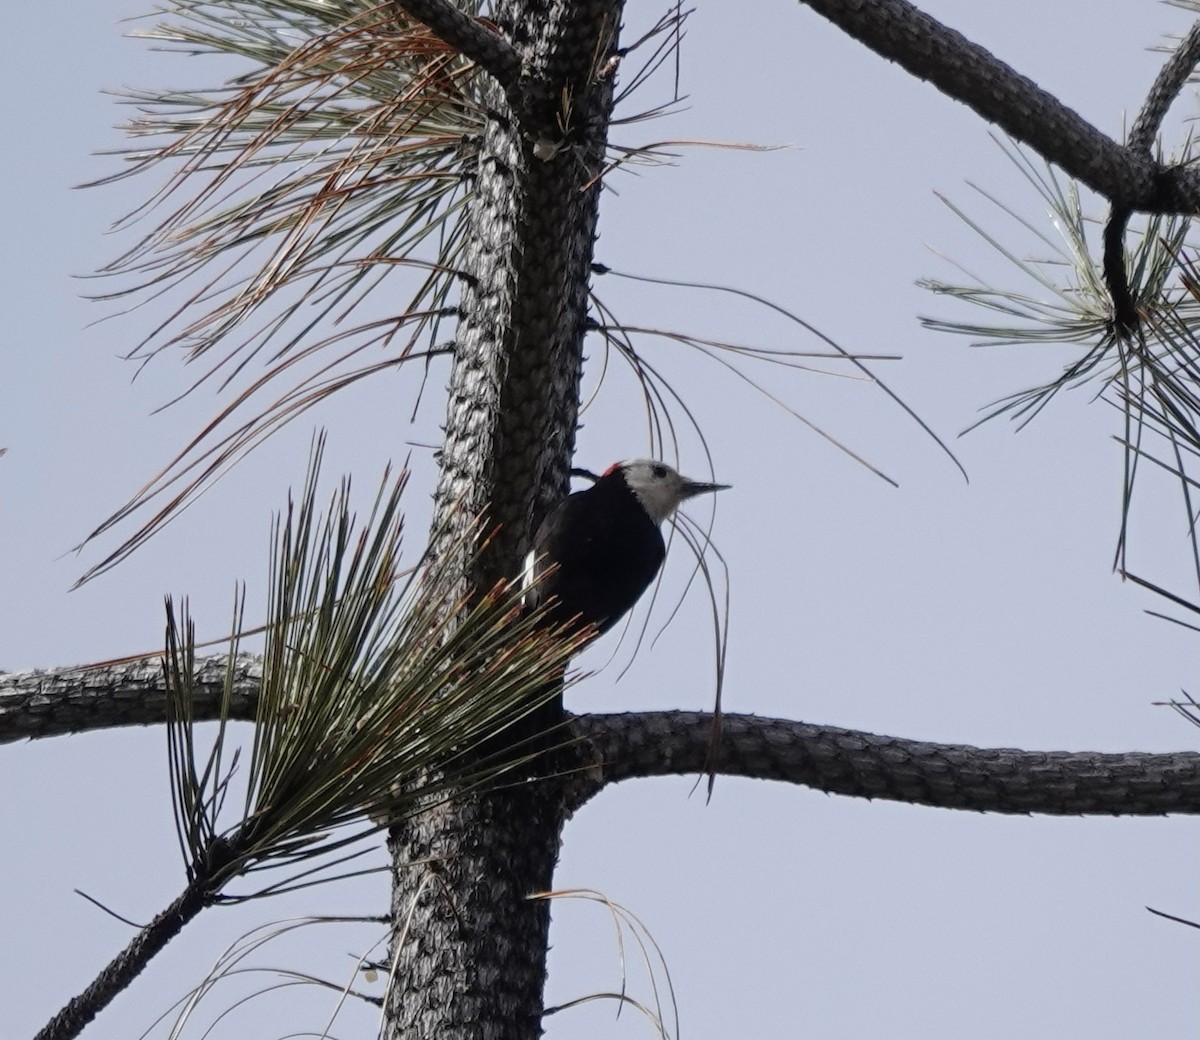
863 765
645 744
969 73
130 693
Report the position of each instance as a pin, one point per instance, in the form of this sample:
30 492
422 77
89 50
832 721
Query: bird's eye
660 472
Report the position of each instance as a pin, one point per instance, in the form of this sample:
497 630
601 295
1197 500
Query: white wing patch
528 577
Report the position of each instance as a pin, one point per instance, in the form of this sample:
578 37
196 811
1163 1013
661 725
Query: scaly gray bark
1127 177
643 744
865 765
469 946
128 693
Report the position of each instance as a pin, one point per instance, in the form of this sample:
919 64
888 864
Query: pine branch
644 744
971 74
149 941
129 692
864 765
1171 79
471 37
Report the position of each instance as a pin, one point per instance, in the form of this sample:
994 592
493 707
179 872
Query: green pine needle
1152 374
377 693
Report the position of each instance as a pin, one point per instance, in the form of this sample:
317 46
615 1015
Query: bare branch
1167 85
471 37
644 744
130 692
131 961
1170 81
864 765
971 74
1125 317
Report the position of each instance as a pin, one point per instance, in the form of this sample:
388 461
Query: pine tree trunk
472 963
468 944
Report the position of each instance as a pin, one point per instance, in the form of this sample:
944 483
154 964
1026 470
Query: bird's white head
659 488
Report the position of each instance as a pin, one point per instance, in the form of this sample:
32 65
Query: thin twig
1172 917
1125 317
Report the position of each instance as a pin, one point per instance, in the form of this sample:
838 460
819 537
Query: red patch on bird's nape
612 469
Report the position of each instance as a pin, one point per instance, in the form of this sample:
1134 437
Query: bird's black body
599 549
605 550
592 557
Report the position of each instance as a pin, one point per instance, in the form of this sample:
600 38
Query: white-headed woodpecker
599 549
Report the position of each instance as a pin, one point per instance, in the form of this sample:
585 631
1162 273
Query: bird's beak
691 488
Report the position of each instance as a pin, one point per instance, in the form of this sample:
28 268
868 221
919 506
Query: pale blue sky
982 613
